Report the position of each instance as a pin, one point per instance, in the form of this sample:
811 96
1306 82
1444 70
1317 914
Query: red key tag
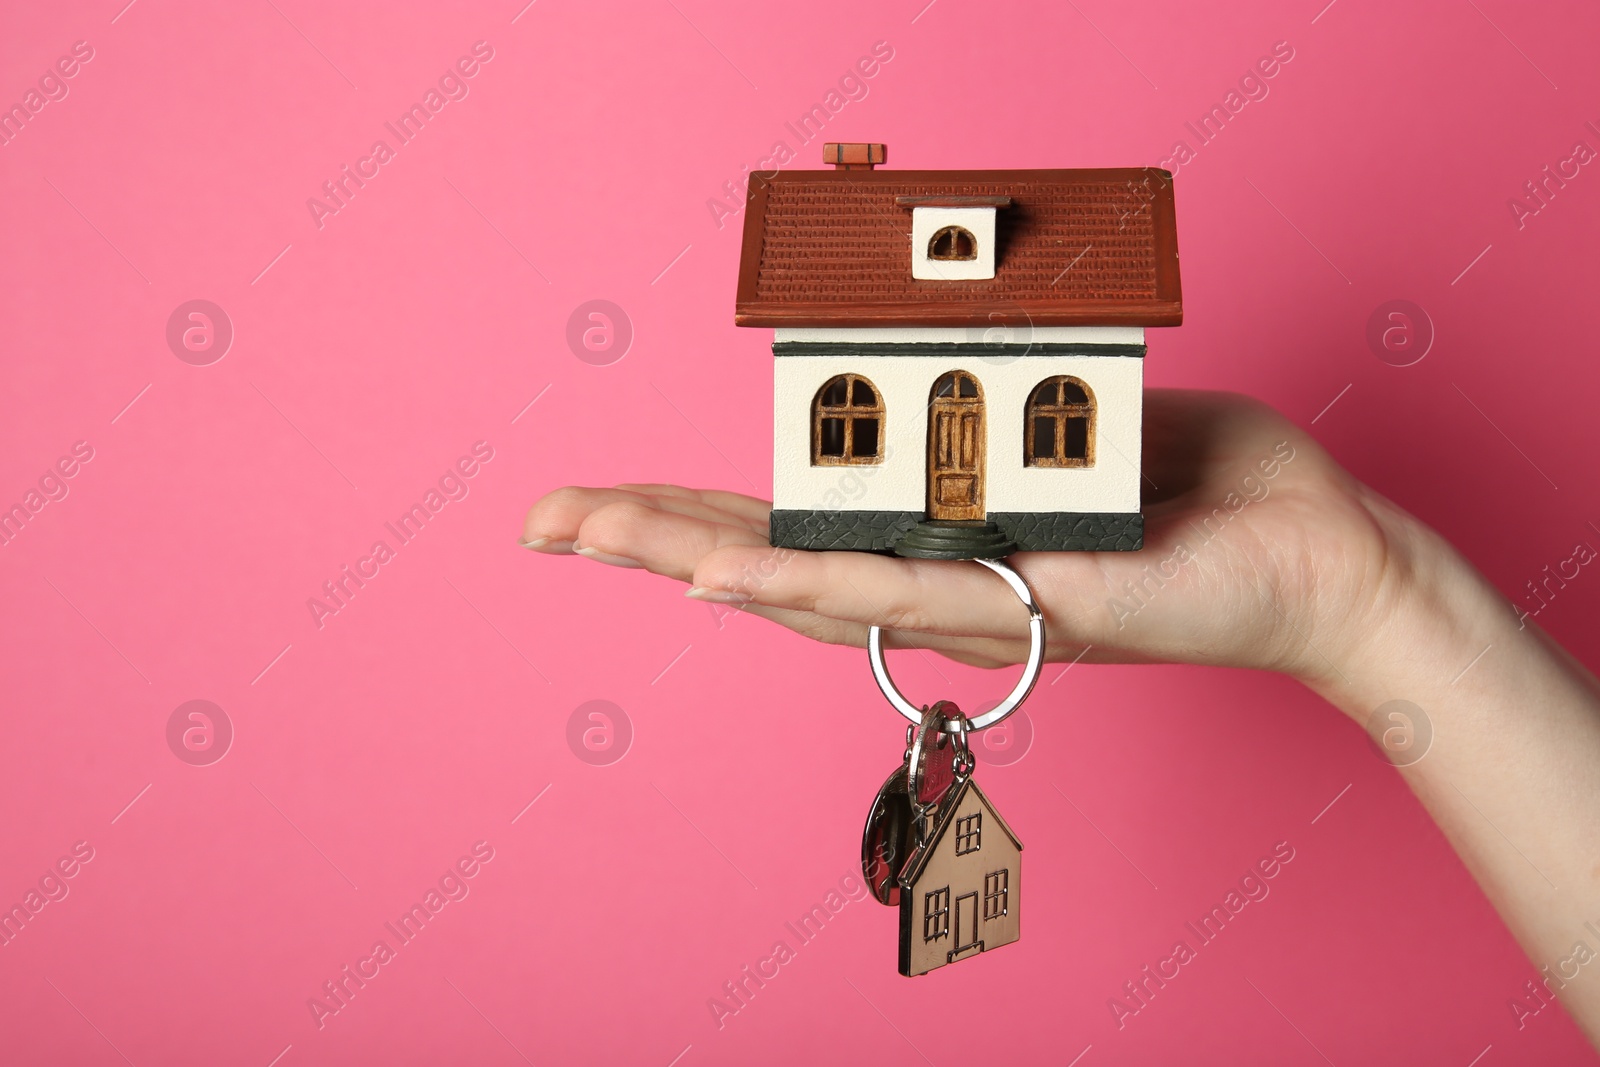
931 769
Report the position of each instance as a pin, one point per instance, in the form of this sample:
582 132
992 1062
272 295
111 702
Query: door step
954 539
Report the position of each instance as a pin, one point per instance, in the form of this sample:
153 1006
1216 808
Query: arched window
953 242
1060 424
847 422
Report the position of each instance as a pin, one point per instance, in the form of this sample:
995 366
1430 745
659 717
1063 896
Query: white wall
906 382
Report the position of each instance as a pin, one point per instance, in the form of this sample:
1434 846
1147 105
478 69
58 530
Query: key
887 838
931 762
899 811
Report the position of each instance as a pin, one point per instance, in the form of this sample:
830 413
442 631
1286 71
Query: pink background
424 716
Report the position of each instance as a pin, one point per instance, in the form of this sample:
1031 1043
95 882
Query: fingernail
606 557
716 596
545 544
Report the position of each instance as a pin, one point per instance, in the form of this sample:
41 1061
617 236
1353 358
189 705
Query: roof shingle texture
1075 247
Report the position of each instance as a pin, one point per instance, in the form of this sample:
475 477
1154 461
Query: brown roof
1075 248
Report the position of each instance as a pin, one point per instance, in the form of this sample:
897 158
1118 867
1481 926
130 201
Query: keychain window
936 914
1060 424
996 890
847 422
969 833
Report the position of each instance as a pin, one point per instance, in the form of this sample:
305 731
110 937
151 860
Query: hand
1260 551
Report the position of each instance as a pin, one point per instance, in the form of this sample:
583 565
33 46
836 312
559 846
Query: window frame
848 413
997 888
1059 413
936 921
969 829
955 232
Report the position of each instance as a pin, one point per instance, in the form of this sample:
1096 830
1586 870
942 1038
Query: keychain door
965 922
955 448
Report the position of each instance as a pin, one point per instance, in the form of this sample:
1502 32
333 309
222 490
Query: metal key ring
1030 673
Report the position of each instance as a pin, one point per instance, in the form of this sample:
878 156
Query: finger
924 596
976 652
753 510
989 653
555 519
669 543
661 541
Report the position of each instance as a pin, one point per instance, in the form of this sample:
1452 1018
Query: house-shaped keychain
960 890
959 354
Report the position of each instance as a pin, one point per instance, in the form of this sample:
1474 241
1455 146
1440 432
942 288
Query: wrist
1430 617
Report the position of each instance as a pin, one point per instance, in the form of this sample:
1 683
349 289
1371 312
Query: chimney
854 156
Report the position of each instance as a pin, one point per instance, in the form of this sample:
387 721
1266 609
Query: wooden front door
955 448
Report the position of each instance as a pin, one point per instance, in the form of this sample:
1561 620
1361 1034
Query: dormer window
953 242
953 237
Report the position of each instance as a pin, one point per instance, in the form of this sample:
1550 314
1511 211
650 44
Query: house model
959 354
959 889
